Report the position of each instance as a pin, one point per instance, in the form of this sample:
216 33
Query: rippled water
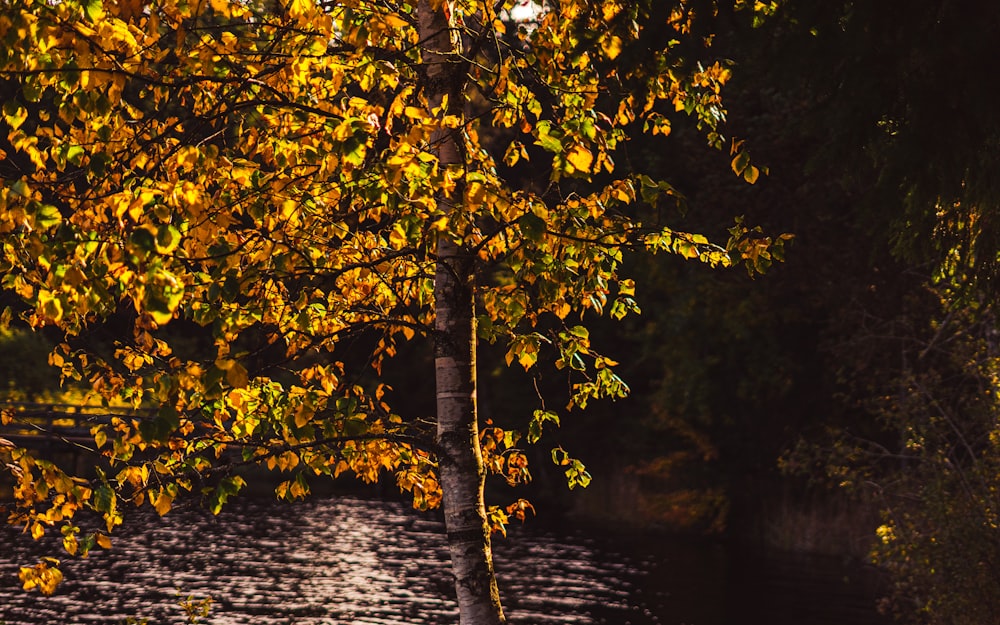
356 561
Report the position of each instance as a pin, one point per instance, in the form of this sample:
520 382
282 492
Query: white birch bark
461 470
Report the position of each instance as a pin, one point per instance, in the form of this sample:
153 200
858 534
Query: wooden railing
51 425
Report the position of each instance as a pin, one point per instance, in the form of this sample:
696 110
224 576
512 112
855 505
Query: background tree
873 346
915 353
306 187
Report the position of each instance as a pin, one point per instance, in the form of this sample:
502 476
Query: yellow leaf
340 468
222 7
302 416
281 490
475 194
623 192
299 8
163 502
288 461
236 399
580 158
289 211
70 544
397 238
528 356
395 21
44 576
103 540
415 113
49 308
612 46
15 115
625 113
237 376
187 158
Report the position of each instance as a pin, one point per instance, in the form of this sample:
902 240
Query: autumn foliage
265 175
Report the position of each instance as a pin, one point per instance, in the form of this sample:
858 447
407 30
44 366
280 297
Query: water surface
349 560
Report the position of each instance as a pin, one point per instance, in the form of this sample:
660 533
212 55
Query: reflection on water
356 561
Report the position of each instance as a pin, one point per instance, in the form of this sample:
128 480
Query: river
349 560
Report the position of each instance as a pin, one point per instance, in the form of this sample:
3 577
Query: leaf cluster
268 175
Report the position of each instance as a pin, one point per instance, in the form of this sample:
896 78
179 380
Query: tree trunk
461 469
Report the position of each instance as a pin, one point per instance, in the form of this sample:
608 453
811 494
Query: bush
930 379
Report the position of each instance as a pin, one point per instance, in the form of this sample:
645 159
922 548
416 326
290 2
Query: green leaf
104 499
21 188
164 293
355 427
98 164
74 154
532 226
537 421
143 239
548 138
577 475
515 152
347 405
94 9
32 89
228 487
354 152
159 428
14 114
560 457
167 239
534 431
47 216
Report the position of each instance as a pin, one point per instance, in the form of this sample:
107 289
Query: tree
307 187
921 158
889 100
925 380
